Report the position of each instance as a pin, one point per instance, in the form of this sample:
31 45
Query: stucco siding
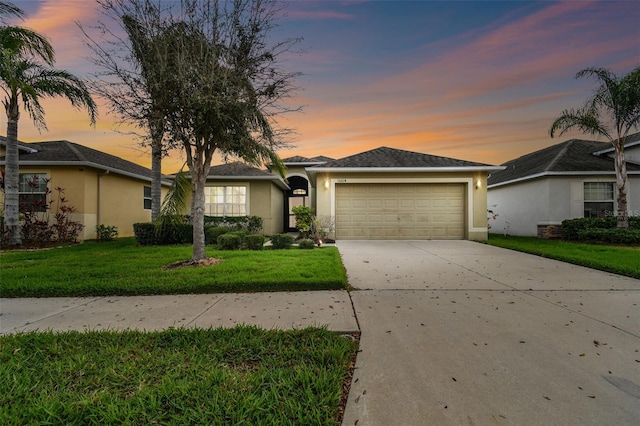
265 199
522 206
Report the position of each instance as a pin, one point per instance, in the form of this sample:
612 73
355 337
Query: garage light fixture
478 184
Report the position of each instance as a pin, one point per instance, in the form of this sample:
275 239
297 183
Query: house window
147 198
225 201
32 192
598 199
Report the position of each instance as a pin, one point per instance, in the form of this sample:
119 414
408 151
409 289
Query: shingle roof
237 169
241 171
66 153
575 155
385 157
297 159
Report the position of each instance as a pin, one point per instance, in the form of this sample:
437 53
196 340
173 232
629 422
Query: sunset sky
475 80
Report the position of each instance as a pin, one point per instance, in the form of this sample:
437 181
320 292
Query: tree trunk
11 179
156 176
621 184
200 163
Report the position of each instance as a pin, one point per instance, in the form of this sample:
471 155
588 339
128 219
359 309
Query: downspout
99 212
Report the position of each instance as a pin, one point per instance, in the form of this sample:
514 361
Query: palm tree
26 77
612 112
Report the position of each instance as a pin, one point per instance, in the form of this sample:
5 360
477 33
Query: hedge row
251 224
148 234
600 230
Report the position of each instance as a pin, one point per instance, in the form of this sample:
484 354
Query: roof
241 171
391 159
65 153
298 160
575 156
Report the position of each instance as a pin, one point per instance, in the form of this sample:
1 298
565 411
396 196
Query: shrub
306 243
251 224
106 233
253 242
610 235
281 241
151 234
572 227
229 241
37 226
304 220
211 233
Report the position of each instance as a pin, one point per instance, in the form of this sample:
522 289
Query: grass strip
616 259
123 268
243 375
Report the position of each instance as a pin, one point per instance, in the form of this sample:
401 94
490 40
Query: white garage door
400 211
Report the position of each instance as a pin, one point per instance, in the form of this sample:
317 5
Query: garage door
400 211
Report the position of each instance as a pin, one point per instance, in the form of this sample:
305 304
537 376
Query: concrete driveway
457 332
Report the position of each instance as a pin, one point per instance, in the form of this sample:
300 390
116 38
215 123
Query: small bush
571 228
106 233
229 241
148 234
304 220
281 241
251 224
610 235
253 242
211 233
306 244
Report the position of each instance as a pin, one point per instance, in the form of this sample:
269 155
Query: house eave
550 174
89 164
405 169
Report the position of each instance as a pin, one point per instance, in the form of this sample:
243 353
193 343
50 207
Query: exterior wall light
326 184
478 184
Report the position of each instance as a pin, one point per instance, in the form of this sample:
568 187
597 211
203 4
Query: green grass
122 268
616 259
242 375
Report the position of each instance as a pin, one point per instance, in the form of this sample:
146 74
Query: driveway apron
457 332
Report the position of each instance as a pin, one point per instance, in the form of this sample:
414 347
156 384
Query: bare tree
220 78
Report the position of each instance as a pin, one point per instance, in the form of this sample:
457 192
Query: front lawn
234 376
122 268
617 259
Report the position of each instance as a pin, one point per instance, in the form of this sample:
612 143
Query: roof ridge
559 155
75 150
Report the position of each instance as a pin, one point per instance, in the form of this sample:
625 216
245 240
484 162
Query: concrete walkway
456 332
453 332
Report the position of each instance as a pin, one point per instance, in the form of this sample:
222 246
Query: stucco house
576 178
384 193
103 188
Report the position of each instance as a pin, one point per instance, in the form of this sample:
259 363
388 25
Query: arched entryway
298 195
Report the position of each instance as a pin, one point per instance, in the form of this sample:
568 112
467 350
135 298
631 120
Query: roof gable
242 171
393 158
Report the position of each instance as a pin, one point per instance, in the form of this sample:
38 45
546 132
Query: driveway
457 332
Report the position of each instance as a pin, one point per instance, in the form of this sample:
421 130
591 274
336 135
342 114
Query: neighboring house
576 178
384 193
103 188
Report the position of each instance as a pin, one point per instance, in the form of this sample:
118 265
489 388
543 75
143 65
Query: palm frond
583 119
174 206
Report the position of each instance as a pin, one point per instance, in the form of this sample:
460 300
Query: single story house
104 189
384 193
534 193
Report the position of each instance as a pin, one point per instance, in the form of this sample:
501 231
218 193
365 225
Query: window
225 201
598 199
147 198
32 192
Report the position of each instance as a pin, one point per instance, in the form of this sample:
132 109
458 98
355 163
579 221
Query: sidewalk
267 310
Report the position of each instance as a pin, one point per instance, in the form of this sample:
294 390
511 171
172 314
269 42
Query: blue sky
475 80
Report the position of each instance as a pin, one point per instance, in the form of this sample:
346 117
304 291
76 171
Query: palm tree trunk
156 178
12 176
621 184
